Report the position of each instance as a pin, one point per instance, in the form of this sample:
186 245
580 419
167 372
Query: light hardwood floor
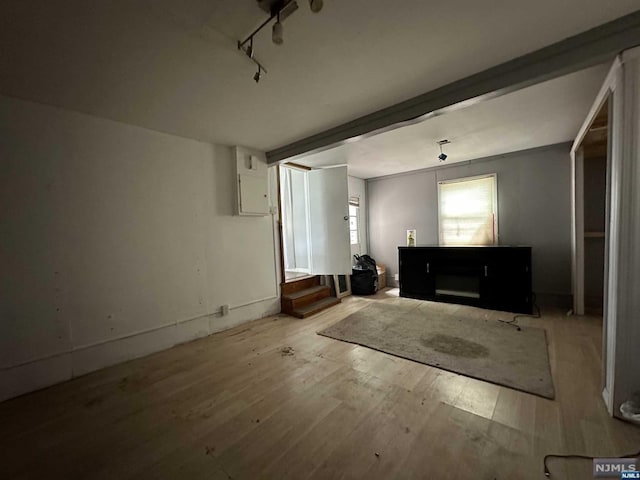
233 405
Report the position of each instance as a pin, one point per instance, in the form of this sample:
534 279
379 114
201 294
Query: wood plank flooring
236 406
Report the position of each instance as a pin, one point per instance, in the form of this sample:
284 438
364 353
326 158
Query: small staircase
306 297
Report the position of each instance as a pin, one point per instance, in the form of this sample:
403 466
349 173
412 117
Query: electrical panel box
252 182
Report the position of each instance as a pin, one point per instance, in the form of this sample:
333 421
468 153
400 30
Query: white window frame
282 171
354 201
495 202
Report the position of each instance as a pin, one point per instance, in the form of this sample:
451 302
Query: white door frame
577 229
283 168
622 302
624 283
611 85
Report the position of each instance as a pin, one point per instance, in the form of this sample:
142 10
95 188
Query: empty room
277 239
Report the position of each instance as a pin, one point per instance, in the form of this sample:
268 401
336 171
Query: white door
328 218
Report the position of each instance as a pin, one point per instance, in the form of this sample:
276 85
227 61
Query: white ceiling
173 66
544 114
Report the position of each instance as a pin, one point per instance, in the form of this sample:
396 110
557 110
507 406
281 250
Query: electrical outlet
224 310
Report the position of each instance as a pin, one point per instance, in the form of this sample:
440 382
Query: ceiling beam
586 49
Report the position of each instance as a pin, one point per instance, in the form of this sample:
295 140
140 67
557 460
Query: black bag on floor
364 276
363 282
365 261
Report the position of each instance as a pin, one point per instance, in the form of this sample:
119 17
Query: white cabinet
252 183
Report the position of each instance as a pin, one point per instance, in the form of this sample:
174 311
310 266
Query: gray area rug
478 348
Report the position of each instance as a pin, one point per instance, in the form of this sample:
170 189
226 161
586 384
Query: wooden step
315 307
297 285
298 299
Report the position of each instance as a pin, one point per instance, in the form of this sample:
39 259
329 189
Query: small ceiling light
442 157
256 77
277 32
316 5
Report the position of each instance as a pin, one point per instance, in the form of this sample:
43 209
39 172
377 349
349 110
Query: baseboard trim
556 300
58 367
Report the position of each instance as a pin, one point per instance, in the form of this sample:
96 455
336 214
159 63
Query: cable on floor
513 323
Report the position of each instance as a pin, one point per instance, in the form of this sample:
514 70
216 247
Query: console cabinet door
416 273
507 281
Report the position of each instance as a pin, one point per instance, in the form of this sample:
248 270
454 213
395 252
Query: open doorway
596 201
592 162
315 234
595 156
314 221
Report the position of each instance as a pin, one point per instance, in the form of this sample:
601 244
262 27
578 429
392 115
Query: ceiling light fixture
278 10
256 77
277 32
250 52
442 157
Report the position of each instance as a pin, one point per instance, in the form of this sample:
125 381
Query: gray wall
534 208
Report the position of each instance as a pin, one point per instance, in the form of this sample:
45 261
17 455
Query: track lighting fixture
442 157
249 52
315 5
277 32
278 10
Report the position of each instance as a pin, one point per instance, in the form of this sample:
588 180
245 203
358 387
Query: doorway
314 208
595 168
596 161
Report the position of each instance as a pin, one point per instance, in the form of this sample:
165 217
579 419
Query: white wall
358 187
116 241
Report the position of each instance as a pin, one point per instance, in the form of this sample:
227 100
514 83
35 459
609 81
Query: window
467 209
354 210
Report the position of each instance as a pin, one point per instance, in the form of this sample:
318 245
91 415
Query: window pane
467 212
353 223
353 211
354 237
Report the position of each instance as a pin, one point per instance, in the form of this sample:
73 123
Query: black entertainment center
493 277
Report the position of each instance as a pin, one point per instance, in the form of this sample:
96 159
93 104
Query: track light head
258 75
316 5
442 157
277 33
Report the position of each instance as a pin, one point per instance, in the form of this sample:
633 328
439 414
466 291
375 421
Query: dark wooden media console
493 277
